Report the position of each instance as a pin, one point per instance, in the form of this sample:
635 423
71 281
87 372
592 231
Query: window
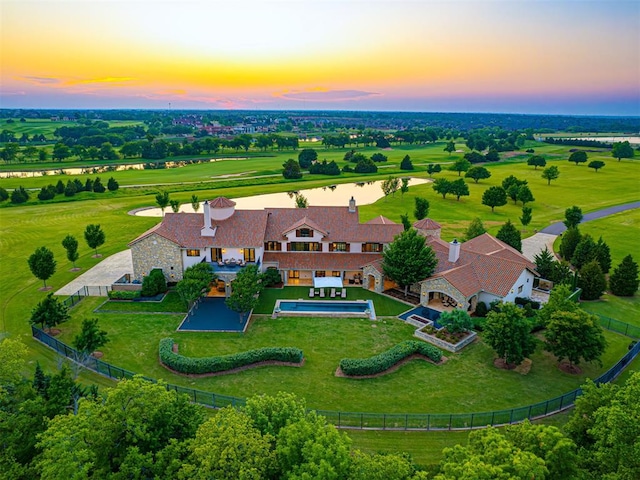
216 254
320 273
372 247
339 247
304 247
294 274
336 274
193 252
520 289
249 254
304 233
272 246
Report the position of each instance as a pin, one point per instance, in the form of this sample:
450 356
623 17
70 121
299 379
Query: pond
330 196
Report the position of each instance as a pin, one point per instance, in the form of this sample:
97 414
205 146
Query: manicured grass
171 303
385 306
467 382
625 309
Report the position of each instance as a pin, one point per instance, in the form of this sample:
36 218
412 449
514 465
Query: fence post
361 419
472 415
384 421
406 422
493 417
450 420
339 419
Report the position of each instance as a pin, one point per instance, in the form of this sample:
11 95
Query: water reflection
332 195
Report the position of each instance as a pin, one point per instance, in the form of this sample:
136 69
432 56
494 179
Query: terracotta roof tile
304 222
427 224
380 220
320 260
221 202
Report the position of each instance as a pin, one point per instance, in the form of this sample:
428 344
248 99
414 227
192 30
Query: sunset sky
522 56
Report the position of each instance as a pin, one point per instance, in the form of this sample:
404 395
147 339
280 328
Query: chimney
454 251
352 205
207 231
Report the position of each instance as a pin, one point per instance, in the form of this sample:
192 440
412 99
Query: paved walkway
103 274
536 243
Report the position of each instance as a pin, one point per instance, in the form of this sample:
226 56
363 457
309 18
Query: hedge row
183 364
385 360
123 294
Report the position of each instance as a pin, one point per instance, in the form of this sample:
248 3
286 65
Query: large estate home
306 243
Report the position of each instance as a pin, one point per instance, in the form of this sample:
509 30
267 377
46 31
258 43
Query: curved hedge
183 364
370 366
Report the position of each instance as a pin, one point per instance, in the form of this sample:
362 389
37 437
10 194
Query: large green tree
536 161
596 164
508 332
475 229
459 188
622 150
578 157
569 241
408 259
421 208
550 173
245 290
478 173
162 199
49 312
90 338
572 216
42 264
624 280
576 336
460 165
94 236
442 186
592 281
494 197
510 235
306 157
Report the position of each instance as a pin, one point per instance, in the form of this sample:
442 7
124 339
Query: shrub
379 363
183 364
123 294
527 301
154 283
271 277
481 309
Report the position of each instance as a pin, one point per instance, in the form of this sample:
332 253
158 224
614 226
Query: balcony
231 265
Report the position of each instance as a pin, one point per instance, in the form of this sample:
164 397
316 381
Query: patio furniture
333 293
322 293
311 293
343 293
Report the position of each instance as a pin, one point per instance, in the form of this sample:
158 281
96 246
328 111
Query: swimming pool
328 308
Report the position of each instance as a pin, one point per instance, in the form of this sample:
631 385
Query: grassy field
46 127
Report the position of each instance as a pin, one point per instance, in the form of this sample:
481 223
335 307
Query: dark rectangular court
212 315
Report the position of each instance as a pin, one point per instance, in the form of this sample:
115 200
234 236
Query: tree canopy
510 235
624 280
508 332
408 259
244 291
576 336
550 173
94 236
42 264
494 197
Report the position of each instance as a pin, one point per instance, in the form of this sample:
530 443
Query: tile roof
221 202
485 264
380 220
304 222
427 224
320 260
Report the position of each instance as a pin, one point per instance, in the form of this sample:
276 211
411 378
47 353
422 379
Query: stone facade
155 251
441 285
368 272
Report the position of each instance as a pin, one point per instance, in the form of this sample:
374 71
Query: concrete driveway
103 274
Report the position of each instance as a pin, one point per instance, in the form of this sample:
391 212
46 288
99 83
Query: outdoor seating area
333 293
231 262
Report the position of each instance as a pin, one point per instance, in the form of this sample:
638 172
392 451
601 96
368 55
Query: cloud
40 80
326 95
98 81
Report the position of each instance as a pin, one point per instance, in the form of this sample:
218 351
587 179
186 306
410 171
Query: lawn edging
360 367
225 363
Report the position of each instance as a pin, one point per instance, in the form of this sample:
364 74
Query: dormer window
304 233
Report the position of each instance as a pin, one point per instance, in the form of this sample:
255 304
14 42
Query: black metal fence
86 291
376 421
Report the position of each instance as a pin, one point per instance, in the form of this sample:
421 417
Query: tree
572 217
494 197
489 455
524 194
603 255
596 165
270 414
536 161
383 466
195 204
98 187
570 239
478 173
49 312
19 195
592 281
390 186
406 163
365 165
228 446
544 263
624 280
450 147
622 150
408 259
475 229
460 165
163 201
421 208
175 206
492 155
70 189
406 223
291 169
379 157
550 173
525 219
404 186
245 290
301 201
584 252
112 184
60 187
442 186
456 321
433 168
42 264
70 244
194 283
508 332
306 157
578 157
510 235
576 336
94 237
90 338
512 180
459 188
